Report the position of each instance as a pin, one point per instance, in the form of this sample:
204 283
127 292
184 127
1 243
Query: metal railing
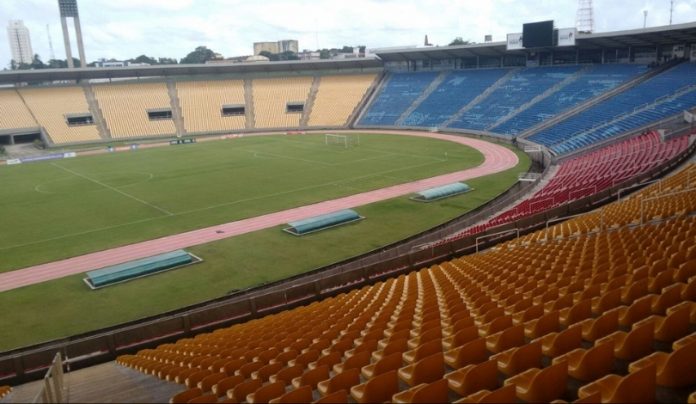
53 389
500 233
645 200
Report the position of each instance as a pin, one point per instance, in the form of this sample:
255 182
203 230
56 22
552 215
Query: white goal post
341 140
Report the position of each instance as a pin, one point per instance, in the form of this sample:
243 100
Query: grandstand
577 286
521 88
398 92
54 105
202 104
457 90
14 114
456 320
272 98
126 106
338 98
589 84
591 174
660 97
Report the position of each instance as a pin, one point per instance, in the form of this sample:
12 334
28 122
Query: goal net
345 141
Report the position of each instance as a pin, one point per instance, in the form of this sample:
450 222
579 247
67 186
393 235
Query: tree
167 61
459 41
288 55
347 49
273 57
144 59
36 63
199 56
57 64
324 54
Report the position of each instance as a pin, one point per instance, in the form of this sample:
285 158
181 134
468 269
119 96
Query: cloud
172 28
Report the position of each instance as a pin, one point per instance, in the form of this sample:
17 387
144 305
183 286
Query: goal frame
346 140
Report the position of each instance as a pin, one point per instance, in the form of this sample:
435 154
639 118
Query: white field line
372 149
257 198
127 195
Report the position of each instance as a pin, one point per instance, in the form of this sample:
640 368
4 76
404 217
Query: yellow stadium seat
301 395
472 378
540 385
676 369
376 389
636 387
435 392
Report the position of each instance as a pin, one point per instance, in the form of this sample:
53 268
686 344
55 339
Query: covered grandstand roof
46 75
644 37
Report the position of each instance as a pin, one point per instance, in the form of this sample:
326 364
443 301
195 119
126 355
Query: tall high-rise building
20 42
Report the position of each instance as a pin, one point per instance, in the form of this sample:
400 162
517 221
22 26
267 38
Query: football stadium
498 222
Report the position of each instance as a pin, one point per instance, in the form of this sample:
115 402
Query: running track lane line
497 159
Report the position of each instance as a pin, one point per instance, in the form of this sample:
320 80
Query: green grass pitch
54 210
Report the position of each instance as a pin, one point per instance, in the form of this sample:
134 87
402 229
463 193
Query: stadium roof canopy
48 75
645 37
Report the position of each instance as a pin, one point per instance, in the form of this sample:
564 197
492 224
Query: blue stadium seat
458 89
629 110
590 84
399 92
522 87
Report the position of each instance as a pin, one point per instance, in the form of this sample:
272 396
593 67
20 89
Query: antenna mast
671 11
584 21
50 42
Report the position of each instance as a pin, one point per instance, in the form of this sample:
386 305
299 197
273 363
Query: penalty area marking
39 187
127 195
339 183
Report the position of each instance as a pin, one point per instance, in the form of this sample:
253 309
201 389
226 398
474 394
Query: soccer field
70 207
206 184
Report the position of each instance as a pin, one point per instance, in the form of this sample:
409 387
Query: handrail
556 220
618 197
53 383
644 200
516 230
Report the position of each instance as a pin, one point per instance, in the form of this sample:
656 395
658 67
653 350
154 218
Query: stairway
96 112
249 101
370 97
307 112
591 102
105 383
541 97
176 109
367 97
480 98
426 93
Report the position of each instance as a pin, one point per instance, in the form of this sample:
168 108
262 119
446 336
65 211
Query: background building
271 47
284 45
288 45
20 42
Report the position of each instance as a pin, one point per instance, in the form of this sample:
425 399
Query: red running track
497 159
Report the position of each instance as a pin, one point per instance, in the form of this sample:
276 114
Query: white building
20 42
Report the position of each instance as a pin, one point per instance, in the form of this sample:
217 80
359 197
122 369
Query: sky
123 29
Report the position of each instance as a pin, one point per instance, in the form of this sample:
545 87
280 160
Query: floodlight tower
68 9
584 21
